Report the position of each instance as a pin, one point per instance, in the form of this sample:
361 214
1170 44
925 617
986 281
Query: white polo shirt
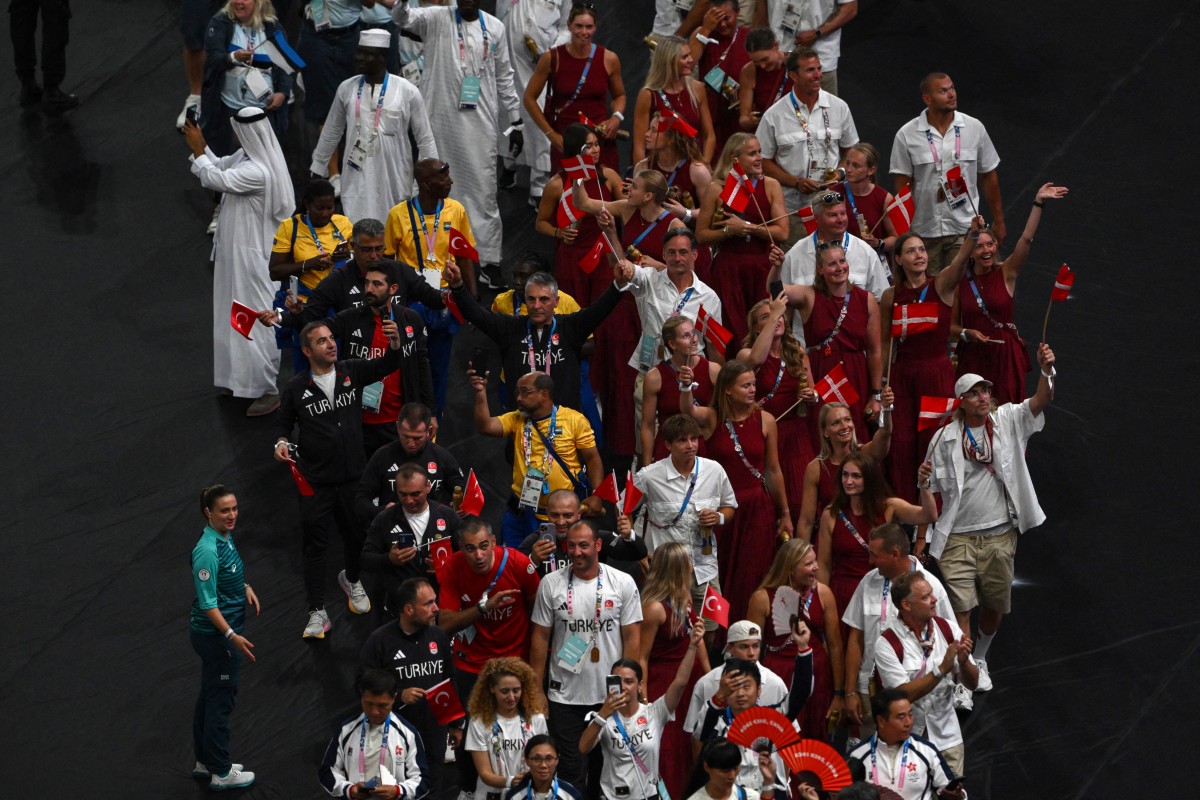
658 300
783 139
574 613
773 694
671 521
788 17
966 144
925 771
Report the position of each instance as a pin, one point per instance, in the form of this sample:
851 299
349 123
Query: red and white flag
736 192
302 483
836 387
591 259
1062 285
901 211
580 166
452 307
631 496
911 318
714 332
440 551
956 182
567 213
472 502
444 703
935 411
459 246
715 608
607 490
668 120
242 319
808 219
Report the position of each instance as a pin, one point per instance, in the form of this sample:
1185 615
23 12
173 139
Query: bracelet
923 484
818 33
229 634
962 335
839 692
520 123
619 115
303 266
275 446
1047 375
508 782
687 215
556 233
248 586
1039 203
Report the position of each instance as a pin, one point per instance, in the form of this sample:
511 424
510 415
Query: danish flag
1063 284
901 211
913 318
736 194
836 387
935 410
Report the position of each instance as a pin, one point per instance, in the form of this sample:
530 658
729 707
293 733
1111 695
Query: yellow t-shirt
305 246
504 302
572 434
400 243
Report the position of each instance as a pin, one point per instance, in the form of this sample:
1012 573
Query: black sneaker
508 179
490 276
56 99
31 94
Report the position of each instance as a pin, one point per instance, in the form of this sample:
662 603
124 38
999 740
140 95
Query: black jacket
615 549
377 487
512 335
353 328
343 288
389 526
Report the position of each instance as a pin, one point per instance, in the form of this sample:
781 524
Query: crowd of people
767 421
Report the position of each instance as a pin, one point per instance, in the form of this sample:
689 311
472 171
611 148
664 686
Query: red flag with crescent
440 551
242 319
472 502
302 483
715 608
444 703
459 246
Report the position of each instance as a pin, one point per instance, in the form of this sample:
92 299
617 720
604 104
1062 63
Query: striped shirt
217 575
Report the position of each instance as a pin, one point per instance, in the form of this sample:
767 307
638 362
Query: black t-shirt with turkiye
377 487
421 659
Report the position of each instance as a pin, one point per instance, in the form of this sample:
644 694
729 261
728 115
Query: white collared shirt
866 270
933 714
784 141
658 299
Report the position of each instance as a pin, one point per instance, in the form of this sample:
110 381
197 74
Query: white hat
743 631
375 37
968 382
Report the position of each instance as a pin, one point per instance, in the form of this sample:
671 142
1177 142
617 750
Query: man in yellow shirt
552 445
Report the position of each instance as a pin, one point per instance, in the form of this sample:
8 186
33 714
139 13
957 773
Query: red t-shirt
505 630
390 403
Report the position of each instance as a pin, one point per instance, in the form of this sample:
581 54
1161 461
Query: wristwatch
482 604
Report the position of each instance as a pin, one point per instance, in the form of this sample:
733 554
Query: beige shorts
978 570
955 758
941 250
698 593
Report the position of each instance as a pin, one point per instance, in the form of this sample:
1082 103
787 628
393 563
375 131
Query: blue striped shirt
217 575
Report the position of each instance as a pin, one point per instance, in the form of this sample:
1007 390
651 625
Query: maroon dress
746 548
779 655
1003 364
669 648
728 53
571 279
871 206
592 100
668 400
770 87
921 367
681 103
848 347
681 175
739 268
851 559
776 390
827 486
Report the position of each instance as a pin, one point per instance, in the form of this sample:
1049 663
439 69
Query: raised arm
1012 265
948 279
485 423
1045 388
675 691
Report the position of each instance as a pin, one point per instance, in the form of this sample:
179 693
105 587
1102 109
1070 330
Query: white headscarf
260 146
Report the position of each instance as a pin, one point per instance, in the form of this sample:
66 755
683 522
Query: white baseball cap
968 382
743 631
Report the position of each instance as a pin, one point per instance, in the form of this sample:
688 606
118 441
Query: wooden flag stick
1046 321
761 214
789 408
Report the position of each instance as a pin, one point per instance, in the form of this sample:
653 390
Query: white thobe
241 249
466 138
385 178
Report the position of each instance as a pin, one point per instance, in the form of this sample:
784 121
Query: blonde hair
664 67
655 184
483 702
670 582
733 148
264 12
687 147
792 350
822 419
790 553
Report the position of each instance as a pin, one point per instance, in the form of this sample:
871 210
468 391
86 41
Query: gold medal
595 655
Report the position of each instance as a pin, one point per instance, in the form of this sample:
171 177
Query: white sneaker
201 771
212 226
236 779
358 601
336 180
985 680
318 624
192 103
962 698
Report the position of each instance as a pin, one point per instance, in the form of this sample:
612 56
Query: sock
982 644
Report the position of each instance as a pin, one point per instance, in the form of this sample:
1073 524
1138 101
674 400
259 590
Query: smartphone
954 786
548 532
479 360
192 116
371 784
775 288
612 684
405 540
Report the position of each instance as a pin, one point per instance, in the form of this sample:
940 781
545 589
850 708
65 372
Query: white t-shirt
774 694
621 776
985 508
933 714
504 742
418 523
573 614
702 794
326 383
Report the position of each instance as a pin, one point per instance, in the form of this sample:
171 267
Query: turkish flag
808 219
444 703
459 246
735 193
452 307
440 551
716 333
302 483
632 496
580 166
607 490
592 260
242 319
1062 285
472 502
668 120
901 212
934 410
911 318
715 608
956 181
836 387
567 213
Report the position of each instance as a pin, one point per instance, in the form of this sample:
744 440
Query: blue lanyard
674 172
430 240
637 759
688 496
499 572
532 355
553 789
850 200
547 463
320 247
462 45
362 741
378 104
649 228
582 79
683 302
903 763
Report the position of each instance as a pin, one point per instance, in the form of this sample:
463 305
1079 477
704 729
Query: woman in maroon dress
838 440
667 620
660 389
764 79
841 326
784 388
743 438
790 592
866 201
579 76
989 344
920 360
576 239
670 88
862 502
742 241
719 62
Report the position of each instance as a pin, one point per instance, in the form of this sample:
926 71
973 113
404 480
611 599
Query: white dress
466 138
384 178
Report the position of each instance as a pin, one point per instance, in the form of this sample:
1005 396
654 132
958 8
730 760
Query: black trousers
56 20
581 772
330 509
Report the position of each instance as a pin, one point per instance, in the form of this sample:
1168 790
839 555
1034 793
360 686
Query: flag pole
941 430
759 209
1046 321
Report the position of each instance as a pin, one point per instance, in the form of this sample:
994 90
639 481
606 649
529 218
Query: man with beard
414 445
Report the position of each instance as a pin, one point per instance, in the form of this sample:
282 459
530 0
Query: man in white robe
378 110
256 193
470 98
